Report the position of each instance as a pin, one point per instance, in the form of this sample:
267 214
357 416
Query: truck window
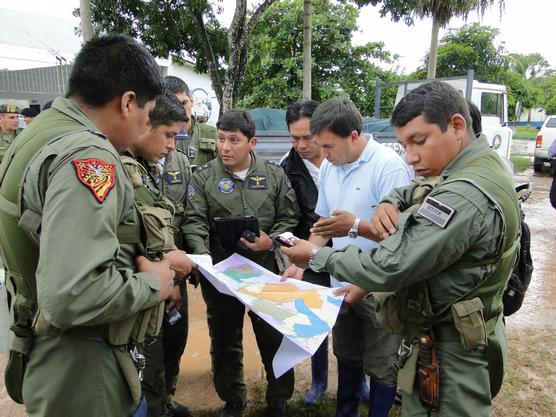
492 104
551 122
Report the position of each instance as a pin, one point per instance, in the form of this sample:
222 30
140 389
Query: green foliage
520 89
471 47
166 27
274 70
550 106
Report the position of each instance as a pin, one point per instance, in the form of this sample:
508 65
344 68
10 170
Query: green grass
525 131
521 163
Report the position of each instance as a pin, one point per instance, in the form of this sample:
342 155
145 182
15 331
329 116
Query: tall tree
188 29
274 76
441 12
530 66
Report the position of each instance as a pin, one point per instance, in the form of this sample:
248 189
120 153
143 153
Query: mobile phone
173 316
286 239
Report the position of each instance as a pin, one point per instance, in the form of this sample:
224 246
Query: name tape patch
437 212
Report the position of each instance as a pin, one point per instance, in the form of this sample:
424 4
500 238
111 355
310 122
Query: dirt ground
529 389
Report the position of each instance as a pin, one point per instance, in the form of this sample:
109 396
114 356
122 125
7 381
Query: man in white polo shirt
356 175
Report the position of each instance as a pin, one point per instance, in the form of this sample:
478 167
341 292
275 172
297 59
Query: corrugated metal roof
36 31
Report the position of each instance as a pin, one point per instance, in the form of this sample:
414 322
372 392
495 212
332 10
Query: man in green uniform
172 175
238 182
200 139
82 301
450 243
157 142
9 126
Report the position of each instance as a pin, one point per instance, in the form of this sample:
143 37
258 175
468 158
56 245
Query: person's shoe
174 409
319 374
365 391
349 386
231 410
382 399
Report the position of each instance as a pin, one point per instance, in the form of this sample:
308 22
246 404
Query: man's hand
264 242
180 263
353 294
300 253
292 271
383 223
174 301
337 225
161 271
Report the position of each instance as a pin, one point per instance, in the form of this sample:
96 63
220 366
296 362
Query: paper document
303 312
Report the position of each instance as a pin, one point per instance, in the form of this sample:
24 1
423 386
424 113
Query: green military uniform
266 194
6 139
92 304
147 194
173 182
201 146
441 271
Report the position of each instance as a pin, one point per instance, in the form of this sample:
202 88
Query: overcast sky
525 26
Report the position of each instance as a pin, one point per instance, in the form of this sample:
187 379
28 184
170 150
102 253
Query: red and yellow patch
97 175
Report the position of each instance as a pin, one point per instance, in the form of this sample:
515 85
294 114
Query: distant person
200 142
47 105
9 126
29 114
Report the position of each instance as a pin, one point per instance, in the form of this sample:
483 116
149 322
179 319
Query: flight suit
6 138
77 204
266 194
436 267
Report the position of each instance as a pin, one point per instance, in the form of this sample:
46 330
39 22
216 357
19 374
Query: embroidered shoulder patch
97 175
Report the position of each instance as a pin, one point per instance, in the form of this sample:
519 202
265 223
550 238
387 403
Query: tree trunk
431 71
86 22
307 16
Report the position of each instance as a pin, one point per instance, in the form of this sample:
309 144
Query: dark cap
29 112
9 108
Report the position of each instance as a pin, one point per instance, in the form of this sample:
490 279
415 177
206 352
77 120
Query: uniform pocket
387 307
470 323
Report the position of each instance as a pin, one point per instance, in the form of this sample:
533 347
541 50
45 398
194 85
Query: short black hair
176 85
299 110
29 112
436 101
108 66
237 120
476 120
47 105
167 111
340 116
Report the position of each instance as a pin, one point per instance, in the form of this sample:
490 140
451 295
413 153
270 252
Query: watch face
352 234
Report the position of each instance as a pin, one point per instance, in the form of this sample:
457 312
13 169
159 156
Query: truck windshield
492 104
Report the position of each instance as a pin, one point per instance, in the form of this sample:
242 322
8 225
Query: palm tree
442 12
530 65
86 23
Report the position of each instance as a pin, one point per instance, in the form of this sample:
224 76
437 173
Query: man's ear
128 101
253 142
192 99
458 123
354 136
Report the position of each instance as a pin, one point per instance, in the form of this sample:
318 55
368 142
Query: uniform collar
475 149
71 109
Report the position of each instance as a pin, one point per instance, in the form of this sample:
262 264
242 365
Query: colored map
303 312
